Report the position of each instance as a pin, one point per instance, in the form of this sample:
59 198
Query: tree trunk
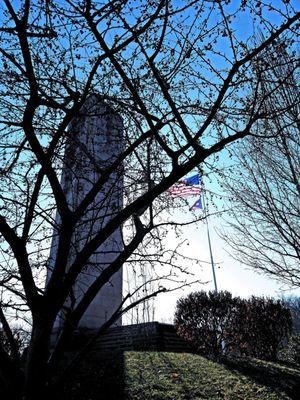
36 372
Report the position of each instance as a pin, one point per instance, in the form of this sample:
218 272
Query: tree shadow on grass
185 390
103 378
278 377
158 378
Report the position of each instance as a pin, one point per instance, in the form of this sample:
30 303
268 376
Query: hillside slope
180 376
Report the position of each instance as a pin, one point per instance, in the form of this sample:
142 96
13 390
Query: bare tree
264 186
177 73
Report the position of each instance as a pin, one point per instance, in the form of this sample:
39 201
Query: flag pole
208 238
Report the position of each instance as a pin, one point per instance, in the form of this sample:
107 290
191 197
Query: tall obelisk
95 140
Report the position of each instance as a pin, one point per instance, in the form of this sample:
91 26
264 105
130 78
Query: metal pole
209 242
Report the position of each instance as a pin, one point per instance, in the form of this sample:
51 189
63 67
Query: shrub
203 319
217 324
265 325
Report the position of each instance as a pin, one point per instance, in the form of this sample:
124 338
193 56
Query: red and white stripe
184 190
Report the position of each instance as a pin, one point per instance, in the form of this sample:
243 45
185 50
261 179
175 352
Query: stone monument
95 139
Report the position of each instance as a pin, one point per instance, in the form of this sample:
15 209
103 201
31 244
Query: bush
217 324
203 319
265 326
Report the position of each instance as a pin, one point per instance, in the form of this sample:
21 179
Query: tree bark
36 371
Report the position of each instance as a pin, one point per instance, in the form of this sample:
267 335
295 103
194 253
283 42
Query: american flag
179 190
186 187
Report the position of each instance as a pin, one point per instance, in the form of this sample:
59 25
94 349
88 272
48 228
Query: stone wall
151 336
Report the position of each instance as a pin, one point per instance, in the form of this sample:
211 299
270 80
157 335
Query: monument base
150 336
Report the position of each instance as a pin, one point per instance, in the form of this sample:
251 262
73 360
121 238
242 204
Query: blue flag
196 205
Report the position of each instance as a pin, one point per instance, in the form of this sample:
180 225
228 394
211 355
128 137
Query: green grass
168 376
174 376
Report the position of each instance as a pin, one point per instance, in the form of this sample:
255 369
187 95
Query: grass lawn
168 376
181 376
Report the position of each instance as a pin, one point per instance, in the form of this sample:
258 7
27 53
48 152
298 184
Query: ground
174 376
